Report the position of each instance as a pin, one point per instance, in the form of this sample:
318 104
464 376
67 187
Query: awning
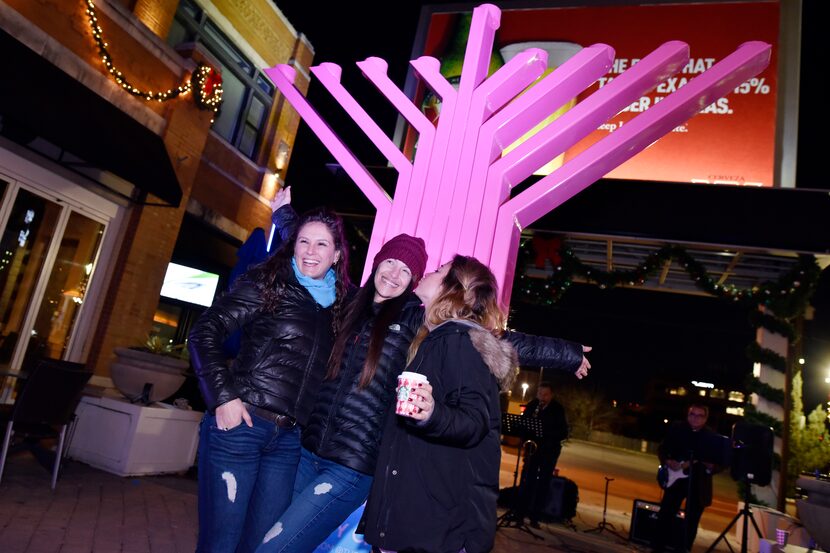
46 110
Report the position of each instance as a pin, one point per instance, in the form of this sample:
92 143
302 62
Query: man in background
540 465
688 451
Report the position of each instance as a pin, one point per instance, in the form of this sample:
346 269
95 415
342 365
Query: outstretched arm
546 351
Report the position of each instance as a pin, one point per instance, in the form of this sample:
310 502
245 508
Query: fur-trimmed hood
498 355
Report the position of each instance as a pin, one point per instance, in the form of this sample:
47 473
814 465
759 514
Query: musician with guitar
688 457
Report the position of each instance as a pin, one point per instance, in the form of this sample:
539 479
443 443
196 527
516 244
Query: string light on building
206 80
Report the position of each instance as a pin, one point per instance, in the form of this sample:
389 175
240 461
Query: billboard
731 141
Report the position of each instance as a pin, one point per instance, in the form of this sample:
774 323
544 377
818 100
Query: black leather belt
283 421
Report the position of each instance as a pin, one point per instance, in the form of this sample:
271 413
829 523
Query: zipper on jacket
315 346
343 382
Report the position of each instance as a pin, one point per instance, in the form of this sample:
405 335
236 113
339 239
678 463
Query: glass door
65 289
24 245
48 250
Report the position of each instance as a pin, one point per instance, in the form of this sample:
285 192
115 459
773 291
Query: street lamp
525 386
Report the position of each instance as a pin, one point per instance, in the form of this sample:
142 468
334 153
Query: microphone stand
604 524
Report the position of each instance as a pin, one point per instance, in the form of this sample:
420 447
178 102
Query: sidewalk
94 511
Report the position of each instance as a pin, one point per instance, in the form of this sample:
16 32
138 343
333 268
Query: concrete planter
133 368
814 512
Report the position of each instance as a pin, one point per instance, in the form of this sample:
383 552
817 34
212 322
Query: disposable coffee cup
407 382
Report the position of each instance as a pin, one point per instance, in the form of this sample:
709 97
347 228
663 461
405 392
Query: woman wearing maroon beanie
342 438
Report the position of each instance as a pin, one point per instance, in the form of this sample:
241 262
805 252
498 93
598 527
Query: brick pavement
92 511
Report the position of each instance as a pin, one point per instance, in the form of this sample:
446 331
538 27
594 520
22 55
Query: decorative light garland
208 81
785 299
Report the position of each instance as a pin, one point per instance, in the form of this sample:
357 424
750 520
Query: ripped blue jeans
325 494
246 478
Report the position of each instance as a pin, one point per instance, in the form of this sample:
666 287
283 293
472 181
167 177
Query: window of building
736 396
247 92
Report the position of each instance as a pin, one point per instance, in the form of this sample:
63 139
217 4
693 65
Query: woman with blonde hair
437 475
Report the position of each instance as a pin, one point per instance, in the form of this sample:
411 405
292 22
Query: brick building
100 189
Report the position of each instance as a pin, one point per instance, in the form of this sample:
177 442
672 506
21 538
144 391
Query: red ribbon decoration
547 249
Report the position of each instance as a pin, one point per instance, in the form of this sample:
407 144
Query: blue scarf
322 289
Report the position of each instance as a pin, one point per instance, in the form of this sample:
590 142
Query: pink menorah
456 192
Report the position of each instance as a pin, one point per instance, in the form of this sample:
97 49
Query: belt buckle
284 421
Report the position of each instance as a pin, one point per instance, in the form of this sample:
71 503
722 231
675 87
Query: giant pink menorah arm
748 60
329 75
420 204
506 126
571 127
490 96
375 70
435 210
283 77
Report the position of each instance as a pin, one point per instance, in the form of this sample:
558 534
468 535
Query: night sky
636 334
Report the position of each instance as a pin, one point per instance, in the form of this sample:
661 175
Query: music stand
529 430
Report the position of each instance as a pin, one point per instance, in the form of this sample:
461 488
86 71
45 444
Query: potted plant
151 372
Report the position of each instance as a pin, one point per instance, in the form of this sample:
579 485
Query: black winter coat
283 355
347 422
554 424
436 484
683 444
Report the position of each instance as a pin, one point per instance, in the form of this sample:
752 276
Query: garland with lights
757 319
758 354
784 299
755 386
206 80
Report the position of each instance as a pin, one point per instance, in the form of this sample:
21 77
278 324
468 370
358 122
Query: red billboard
731 141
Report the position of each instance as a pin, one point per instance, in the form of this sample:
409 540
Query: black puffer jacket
283 355
347 421
436 483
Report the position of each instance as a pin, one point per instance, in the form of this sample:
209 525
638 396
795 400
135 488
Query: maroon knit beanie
409 249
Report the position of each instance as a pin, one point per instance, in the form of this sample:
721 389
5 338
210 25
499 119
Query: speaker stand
746 515
604 525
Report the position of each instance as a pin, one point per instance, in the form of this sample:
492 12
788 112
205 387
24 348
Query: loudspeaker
561 500
752 452
644 524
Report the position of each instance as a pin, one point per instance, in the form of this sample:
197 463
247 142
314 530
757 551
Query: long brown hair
271 275
359 309
470 292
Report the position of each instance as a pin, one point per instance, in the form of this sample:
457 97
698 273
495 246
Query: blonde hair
469 292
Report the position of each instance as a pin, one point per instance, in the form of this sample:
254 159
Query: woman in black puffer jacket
342 439
250 438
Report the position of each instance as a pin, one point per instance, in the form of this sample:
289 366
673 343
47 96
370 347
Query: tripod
746 514
604 524
523 427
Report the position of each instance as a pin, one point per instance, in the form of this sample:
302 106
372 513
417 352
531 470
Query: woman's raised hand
281 198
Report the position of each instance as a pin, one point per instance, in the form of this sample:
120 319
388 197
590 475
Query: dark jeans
246 478
536 476
669 506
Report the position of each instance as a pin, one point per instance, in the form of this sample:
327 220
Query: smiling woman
249 443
